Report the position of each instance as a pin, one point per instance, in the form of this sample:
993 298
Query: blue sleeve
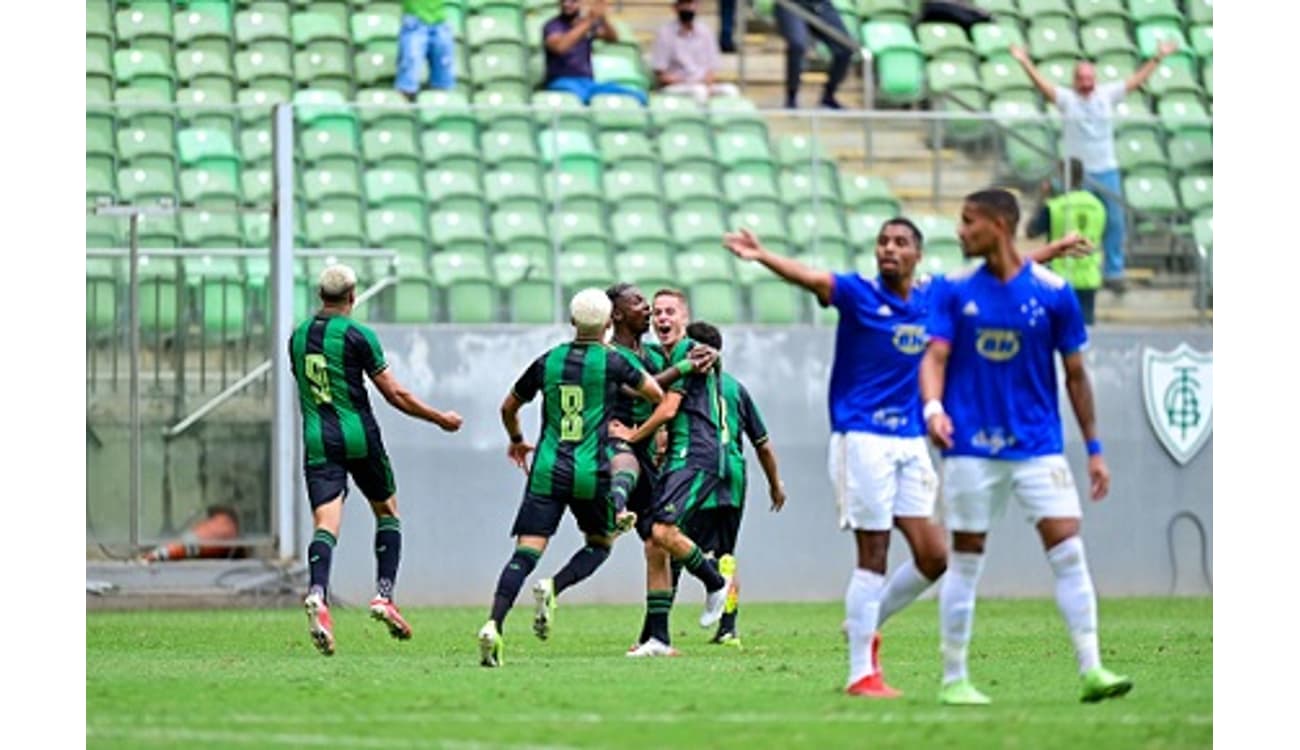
940 324
846 290
1069 334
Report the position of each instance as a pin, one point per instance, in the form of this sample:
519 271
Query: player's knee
966 543
599 542
931 562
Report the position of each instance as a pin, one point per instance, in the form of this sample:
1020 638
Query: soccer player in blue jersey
879 464
988 380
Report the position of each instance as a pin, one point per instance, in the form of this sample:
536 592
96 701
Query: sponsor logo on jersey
909 339
997 344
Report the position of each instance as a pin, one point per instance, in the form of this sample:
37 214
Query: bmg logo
997 344
909 339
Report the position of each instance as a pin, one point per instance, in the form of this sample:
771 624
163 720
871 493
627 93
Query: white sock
901 589
1076 599
957 611
862 609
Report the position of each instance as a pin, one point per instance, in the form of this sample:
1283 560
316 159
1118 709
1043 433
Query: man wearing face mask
567 39
685 57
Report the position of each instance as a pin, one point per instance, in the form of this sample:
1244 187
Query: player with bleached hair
580 381
988 381
330 355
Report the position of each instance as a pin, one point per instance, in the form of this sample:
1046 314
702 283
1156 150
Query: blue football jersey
878 347
1001 387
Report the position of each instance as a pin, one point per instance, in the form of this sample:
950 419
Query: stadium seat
667 110
715 301
205 26
1147 11
897 59
148 145
446 111
1036 10
387 186
681 148
1192 151
335 227
1202 39
618 112
1151 195
503 147
143 69
378 24
689 186
1150 35
649 269
629 188
513 188
263 22
819 230
391 146
745 189
446 148
329 187
1106 35
580 191
528 286
145 28
522 231
580 268
1141 153
775 302
615 63
746 153
940 233
627 149
467 286
1196 193
255 145
768 225
454 189
993 40
374 67
380 106
569 150
800 189
946 42
199 67
736 114
269 68
210 229
1199 12
699 228
457 230
864 192
864 227
1004 75
146 184
560 109
640 227
400 226
325 69
210 149
255 187
1053 37
1008 9
323 31
1172 79
415 299
210 186
1181 113
1090 10
579 231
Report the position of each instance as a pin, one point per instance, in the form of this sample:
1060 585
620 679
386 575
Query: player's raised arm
934 370
1085 411
745 245
408 403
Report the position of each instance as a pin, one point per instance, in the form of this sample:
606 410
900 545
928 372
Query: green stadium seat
146 184
522 231
159 232
697 227
800 152
332 143
715 301
400 227
995 40
321 30
159 297
255 185
940 233
493 68
629 188
1053 37
446 111
144 69
1106 35
210 229
677 147
99 75
264 22
1151 195
627 149
1199 12
1197 193
951 75
1134 113
1141 153
579 269
1147 11
503 108
265 68
689 186
1091 10
331 187
450 147
513 188
768 224
650 269
775 302
695 266
746 152
505 26
257 231
940 260
1180 113
101 183
99 20
146 28
570 150
560 109
890 10
205 26
1202 40
504 147
454 189
898 61
414 299
618 112
323 68
381 106
667 110
532 301
1192 151
864 227
147 145
618 64
210 149
579 231
210 186
1150 35
377 24
633 226
255 145
1002 76
736 114
208 104
457 230
864 192
745 189
946 41
580 191
1172 79
391 146
375 67
800 189
389 186
819 229
335 227
1035 10
1001 8
101 297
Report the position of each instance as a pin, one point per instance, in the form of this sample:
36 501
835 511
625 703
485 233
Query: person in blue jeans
425 36
799 35
568 38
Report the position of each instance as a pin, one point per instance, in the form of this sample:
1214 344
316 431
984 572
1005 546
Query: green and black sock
658 603
512 578
703 568
319 555
579 567
388 553
620 488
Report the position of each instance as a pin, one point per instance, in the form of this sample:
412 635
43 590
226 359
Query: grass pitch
252 679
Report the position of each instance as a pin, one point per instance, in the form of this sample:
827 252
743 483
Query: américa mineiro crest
1178 389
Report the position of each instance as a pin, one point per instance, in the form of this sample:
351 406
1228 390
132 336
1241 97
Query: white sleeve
1113 92
1065 98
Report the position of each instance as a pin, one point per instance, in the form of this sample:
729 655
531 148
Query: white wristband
932 407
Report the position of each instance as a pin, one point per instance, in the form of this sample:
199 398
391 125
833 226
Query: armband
932 407
1094 447
516 439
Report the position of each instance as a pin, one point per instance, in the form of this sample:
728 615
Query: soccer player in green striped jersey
714 520
330 355
579 381
691 410
633 474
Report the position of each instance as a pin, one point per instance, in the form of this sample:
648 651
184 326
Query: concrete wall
458 494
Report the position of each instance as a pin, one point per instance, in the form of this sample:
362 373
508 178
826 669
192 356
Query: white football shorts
878 477
975 490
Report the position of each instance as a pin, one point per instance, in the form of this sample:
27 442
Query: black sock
620 488
511 580
319 554
703 568
657 606
728 623
579 567
388 553
677 577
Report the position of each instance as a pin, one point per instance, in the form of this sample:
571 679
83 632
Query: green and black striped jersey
579 382
696 436
330 356
741 419
633 410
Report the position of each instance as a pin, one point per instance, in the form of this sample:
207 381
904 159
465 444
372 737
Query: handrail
261 369
868 75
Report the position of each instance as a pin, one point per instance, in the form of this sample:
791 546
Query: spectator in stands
727 22
961 12
796 32
1074 210
568 38
1090 137
425 35
685 56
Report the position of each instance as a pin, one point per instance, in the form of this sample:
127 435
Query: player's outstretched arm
519 448
775 487
1140 76
666 410
744 244
934 370
1046 87
1071 245
407 403
1080 390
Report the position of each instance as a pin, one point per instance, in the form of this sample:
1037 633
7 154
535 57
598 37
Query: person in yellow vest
1079 211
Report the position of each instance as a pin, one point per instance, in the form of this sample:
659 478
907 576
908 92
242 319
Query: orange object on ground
221 525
